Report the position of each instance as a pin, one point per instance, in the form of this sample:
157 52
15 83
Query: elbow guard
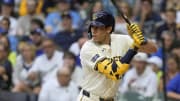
112 68
115 67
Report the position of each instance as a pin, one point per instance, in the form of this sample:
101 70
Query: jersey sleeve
89 55
120 44
128 40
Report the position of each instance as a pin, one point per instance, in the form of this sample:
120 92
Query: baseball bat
120 12
123 16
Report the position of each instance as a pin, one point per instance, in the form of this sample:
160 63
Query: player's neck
107 40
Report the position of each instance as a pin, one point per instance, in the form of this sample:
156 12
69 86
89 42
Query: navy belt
87 94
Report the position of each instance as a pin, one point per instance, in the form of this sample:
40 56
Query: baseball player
105 58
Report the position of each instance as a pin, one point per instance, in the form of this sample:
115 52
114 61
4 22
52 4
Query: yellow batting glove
136 34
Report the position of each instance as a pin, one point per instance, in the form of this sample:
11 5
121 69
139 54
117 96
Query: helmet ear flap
89 35
89 32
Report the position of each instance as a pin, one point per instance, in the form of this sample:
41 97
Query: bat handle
126 19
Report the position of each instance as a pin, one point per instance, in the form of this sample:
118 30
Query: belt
87 94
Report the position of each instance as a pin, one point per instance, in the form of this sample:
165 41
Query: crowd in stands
40 43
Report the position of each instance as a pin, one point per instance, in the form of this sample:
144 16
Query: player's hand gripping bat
125 18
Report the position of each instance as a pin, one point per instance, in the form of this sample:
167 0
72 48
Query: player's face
99 34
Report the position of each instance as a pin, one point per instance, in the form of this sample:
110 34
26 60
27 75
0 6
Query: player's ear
109 29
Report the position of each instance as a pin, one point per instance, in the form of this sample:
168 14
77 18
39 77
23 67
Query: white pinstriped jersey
95 82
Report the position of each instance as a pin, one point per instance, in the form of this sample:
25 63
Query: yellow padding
105 67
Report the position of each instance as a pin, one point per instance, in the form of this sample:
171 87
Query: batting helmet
101 18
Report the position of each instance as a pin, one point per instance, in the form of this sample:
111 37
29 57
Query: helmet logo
94 17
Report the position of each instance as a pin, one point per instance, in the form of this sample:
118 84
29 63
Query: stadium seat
9 96
33 97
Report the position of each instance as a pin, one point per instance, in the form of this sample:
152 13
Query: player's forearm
149 47
173 95
128 56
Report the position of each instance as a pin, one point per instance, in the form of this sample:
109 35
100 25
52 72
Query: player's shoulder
88 45
120 36
124 41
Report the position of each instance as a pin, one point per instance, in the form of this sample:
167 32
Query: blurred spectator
168 43
23 9
5 25
178 16
140 78
97 6
109 7
10 55
60 88
172 4
5 69
53 20
173 86
24 22
172 69
45 66
84 9
136 9
68 35
36 24
156 64
178 31
77 73
157 5
168 25
131 3
37 39
176 48
6 11
172 66
49 6
148 18
121 25
23 64
76 46
2 32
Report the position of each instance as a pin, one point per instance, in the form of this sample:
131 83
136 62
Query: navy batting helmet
101 18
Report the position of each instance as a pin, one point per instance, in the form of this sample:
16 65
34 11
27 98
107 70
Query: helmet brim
97 24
